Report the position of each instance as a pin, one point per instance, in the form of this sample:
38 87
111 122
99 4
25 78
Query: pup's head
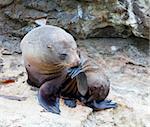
98 93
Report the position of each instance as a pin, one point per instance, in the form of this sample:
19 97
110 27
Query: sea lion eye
78 52
63 56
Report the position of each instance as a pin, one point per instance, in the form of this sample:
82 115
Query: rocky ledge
128 68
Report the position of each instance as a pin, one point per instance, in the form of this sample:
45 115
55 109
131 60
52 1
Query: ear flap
82 83
49 46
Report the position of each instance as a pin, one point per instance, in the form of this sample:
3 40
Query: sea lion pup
92 84
49 52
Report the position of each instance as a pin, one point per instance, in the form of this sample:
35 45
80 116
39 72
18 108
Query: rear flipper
70 103
101 105
48 99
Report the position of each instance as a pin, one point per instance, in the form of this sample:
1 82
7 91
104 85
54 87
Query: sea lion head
63 49
98 92
49 46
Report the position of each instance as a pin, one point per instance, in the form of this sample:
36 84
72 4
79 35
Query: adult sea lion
49 52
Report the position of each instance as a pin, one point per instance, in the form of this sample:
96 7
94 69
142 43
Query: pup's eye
63 56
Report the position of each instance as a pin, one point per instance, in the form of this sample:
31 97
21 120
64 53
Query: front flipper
51 104
70 103
82 83
81 79
48 99
101 105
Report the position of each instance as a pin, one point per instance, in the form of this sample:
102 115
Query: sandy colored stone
130 86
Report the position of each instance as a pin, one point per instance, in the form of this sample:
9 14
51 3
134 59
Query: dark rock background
83 19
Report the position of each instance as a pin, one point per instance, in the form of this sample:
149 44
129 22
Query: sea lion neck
52 69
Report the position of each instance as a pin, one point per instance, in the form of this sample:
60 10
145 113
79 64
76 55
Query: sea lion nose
77 63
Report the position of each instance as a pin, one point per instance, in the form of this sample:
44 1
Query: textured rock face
4 3
83 19
141 14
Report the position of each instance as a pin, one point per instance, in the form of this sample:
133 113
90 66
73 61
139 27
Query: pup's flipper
82 83
101 105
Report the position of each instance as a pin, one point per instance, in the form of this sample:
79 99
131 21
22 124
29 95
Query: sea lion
49 52
92 74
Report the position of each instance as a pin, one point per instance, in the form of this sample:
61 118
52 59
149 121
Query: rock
20 13
28 112
4 3
10 45
25 116
1 65
141 11
129 88
41 21
86 19
43 5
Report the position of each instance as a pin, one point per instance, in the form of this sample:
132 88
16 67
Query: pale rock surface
130 86
28 112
